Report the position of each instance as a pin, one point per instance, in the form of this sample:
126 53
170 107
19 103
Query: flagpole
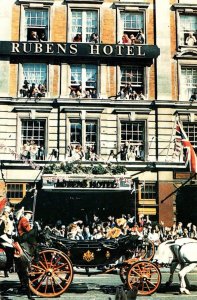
167 154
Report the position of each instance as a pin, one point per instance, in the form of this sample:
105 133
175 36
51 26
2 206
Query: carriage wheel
52 275
145 276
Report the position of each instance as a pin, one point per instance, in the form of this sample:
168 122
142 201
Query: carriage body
95 253
53 274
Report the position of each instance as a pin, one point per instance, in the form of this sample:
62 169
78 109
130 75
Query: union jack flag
190 156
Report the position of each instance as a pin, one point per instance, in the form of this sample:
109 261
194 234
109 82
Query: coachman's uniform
28 234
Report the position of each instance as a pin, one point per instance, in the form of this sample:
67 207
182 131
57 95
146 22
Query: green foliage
73 168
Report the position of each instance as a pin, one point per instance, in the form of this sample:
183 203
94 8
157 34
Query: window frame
181 64
36 6
84 77
179 13
145 75
131 8
82 7
83 122
21 76
144 144
16 200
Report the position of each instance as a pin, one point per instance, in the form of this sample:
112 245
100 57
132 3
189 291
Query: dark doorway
71 205
186 205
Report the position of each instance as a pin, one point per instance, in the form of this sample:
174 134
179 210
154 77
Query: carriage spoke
41 281
37 267
59 267
37 278
45 259
46 286
40 262
57 282
52 285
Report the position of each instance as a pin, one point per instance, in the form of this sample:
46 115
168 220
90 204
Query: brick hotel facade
70 79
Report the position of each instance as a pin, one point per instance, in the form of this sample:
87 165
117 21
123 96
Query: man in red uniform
27 233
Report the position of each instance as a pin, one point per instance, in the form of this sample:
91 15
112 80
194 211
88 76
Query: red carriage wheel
52 275
145 276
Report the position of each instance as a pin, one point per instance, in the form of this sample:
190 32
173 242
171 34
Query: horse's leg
172 270
182 273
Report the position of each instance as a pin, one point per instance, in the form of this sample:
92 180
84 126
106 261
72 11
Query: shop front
70 198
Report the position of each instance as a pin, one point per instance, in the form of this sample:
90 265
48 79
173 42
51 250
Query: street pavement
101 287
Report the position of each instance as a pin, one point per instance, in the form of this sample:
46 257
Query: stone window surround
136 118
183 9
49 76
181 63
22 18
81 6
25 116
130 7
83 116
146 79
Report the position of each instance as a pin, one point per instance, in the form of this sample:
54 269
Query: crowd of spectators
130 39
30 150
113 227
94 38
76 92
76 152
127 93
33 90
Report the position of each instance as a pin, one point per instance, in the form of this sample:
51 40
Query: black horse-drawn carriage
58 257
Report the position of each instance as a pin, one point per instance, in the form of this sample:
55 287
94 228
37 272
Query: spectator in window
94 38
126 39
190 40
77 38
141 96
54 154
42 37
25 89
33 150
34 35
193 97
26 150
140 37
41 153
121 94
94 94
132 38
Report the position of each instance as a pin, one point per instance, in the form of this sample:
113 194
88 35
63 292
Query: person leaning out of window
190 40
193 97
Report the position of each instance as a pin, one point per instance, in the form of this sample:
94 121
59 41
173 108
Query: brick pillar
166 213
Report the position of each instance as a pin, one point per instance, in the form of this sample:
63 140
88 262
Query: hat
28 212
113 233
7 209
121 221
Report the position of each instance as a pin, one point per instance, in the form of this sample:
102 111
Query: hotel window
33 139
188 30
36 24
34 80
188 84
133 78
132 25
84 25
83 78
84 134
191 131
147 198
16 192
132 141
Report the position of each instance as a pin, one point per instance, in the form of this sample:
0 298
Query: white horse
181 252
